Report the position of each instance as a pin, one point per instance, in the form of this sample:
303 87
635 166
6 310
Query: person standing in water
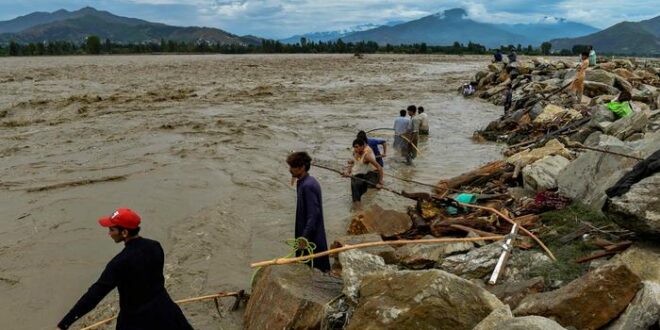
365 172
400 128
374 144
309 209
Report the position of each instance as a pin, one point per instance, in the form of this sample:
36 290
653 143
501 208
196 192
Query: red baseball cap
123 217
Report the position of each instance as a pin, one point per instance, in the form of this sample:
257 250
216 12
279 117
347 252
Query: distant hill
334 35
76 26
440 29
629 38
453 25
549 28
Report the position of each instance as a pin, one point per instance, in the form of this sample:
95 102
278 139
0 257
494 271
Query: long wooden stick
285 261
580 146
490 209
180 302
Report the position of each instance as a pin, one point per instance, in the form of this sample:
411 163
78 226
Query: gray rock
638 209
622 84
536 110
512 293
587 177
601 76
542 174
355 265
493 319
429 299
627 126
601 113
593 89
643 311
588 302
529 323
385 251
418 256
475 264
290 297
643 259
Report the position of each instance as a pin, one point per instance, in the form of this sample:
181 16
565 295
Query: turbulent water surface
196 144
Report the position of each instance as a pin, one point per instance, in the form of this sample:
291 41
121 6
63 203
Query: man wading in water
137 272
366 170
309 209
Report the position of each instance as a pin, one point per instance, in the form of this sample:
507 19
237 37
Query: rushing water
206 171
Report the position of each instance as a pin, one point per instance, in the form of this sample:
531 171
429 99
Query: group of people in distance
366 166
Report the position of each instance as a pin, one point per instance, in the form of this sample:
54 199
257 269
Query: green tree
13 48
545 48
93 45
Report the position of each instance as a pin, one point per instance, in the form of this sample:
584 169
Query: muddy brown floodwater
196 144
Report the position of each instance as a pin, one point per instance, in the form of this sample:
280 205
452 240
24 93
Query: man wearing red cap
137 272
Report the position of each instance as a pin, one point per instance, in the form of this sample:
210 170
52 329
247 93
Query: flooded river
196 145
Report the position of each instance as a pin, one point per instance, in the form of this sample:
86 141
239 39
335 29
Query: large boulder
638 209
643 259
429 299
643 312
387 223
552 112
588 302
542 174
355 265
418 256
525 157
629 125
593 89
529 323
387 252
290 297
480 263
601 76
587 177
493 319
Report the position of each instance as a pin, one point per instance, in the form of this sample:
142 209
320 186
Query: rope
180 302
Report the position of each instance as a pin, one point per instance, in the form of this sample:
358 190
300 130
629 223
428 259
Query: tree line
93 45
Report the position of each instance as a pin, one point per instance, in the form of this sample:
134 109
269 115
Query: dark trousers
359 187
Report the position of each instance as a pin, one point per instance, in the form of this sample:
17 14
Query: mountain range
633 38
75 26
453 25
334 35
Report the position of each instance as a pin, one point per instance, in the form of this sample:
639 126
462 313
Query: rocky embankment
583 180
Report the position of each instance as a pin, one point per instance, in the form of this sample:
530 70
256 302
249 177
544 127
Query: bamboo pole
180 302
285 261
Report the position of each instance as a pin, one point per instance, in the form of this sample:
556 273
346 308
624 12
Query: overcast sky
283 18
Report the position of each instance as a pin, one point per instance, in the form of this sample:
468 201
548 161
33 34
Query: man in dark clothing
309 208
512 56
137 272
498 56
508 98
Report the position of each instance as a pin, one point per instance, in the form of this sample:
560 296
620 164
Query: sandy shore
196 144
